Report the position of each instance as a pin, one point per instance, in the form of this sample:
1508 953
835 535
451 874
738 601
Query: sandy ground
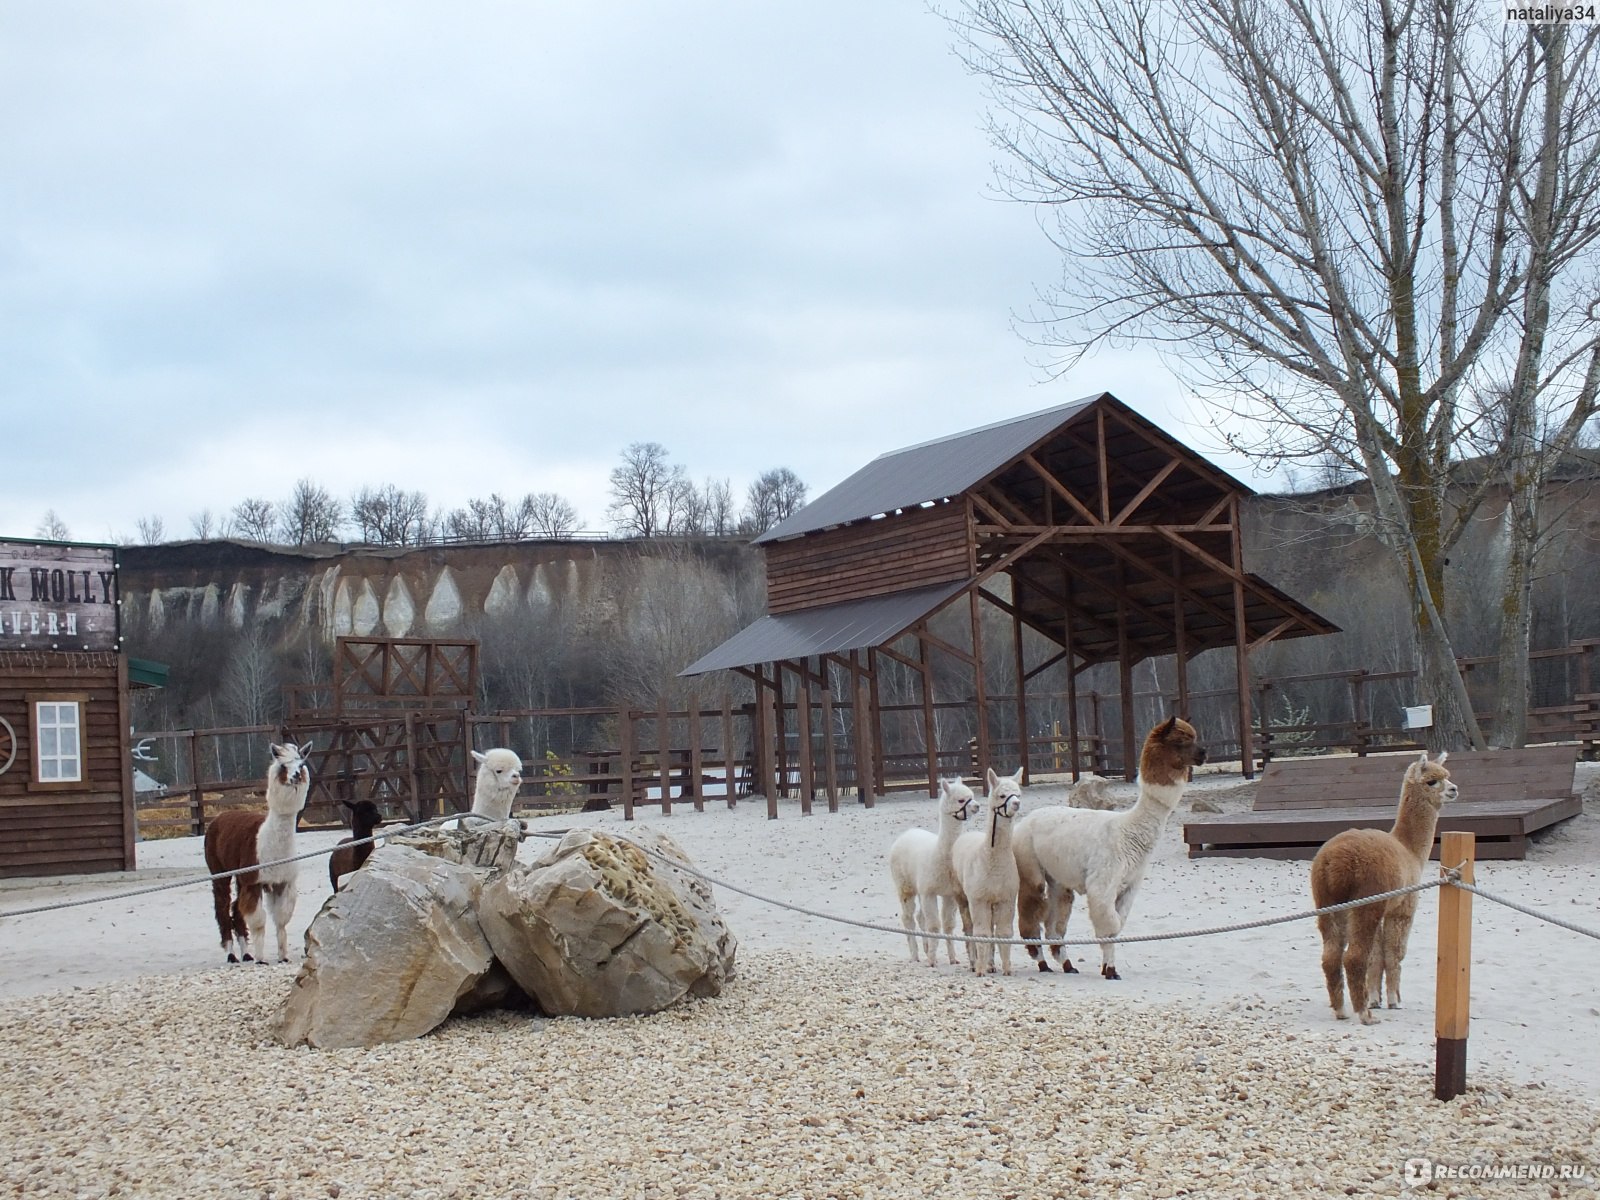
1535 987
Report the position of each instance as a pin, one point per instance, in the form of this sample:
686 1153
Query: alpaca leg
1107 924
1030 922
929 917
965 910
1059 900
1364 924
248 913
222 903
950 917
983 952
1396 935
1332 928
908 920
1005 927
280 907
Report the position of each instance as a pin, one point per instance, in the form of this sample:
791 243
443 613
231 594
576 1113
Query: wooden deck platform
1506 796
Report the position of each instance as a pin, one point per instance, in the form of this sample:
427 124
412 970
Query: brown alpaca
364 818
1363 946
236 839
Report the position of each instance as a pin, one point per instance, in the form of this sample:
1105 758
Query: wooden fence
416 764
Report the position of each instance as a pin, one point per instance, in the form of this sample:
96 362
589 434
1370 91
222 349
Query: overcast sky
483 246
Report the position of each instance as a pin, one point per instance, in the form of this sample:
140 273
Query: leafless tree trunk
1329 216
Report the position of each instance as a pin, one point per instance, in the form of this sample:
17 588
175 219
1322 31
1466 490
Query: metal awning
142 672
830 629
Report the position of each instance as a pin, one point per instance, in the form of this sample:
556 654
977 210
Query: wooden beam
876 711
1022 697
1156 480
808 783
1060 489
979 685
830 764
930 738
1453 981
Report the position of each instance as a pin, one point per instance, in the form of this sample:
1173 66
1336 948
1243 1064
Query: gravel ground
810 1077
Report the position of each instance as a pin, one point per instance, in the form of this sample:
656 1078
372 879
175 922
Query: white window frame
53 715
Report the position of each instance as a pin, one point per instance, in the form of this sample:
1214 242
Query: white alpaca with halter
924 882
987 871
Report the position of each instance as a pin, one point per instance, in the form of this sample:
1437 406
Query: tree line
650 496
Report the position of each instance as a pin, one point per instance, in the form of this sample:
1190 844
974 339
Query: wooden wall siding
61 832
914 549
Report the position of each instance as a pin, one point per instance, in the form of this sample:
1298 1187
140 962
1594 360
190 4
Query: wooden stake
625 742
1451 1004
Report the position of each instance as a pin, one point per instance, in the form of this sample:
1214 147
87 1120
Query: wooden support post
771 713
197 799
930 732
1022 696
802 712
1180 635
1241 637
979 684
1072 674
625 741
695 764
663 755
411 769
830 765
780 739
1130 756
875 709
730 762
1451 1003
862 705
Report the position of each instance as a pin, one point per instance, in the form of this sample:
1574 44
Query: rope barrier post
1451 1002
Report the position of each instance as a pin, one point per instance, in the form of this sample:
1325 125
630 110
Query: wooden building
66 774
1118 543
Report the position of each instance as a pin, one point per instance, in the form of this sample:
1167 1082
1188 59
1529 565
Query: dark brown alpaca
238 839
364 818
1362 945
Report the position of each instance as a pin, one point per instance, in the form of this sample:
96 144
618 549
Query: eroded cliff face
433 591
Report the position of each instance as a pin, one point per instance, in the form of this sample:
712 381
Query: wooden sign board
58 596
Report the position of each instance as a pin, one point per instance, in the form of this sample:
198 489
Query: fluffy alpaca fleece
919 864
499 777
237 839
1101 855
364 819
1365 862
987 870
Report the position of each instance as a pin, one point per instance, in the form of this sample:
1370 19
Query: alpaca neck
1142 824
275 838
1414 825
950 828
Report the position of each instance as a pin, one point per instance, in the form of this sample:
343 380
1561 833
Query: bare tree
254 519
311 514
152 530
204 524
390 516
642 490
552 516
1332 215
774 496
717 503
52 528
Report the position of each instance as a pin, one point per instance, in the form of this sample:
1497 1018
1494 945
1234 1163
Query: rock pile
448 922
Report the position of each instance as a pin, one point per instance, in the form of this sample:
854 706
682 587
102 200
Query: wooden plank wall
66 832
913 549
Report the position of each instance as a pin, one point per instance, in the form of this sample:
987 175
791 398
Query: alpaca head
288 779
955 800
499 774
1429 781
365 816
1170 750
1005 799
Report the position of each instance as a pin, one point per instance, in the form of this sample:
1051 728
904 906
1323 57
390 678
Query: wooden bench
1506 795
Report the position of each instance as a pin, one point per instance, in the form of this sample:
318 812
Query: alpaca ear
282 751
1167 726
479 758
1423 760
992 779
1443 754
304 750
1017 775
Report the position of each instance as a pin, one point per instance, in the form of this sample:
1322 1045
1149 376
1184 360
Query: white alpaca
919 862
1098 854
499 778
987 870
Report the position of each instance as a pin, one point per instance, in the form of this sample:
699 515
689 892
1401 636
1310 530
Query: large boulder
598 927
391 954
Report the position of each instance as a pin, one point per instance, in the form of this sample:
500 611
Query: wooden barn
66 774
1085 523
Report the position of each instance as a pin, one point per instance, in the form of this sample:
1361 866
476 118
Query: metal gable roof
932 470
830 629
